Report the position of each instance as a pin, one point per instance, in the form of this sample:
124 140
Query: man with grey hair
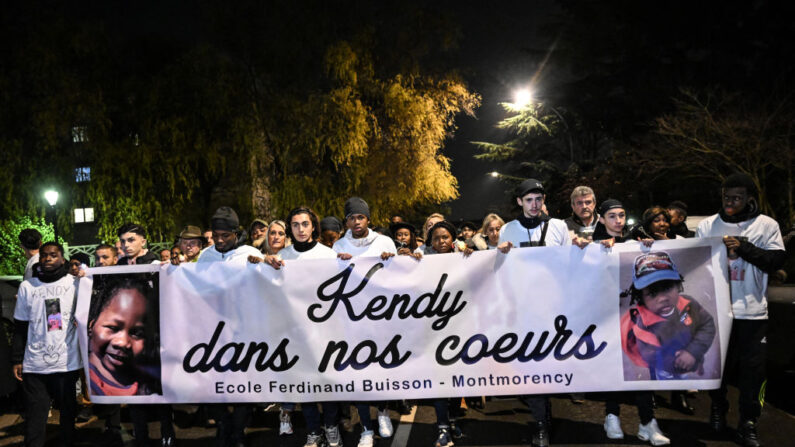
584 218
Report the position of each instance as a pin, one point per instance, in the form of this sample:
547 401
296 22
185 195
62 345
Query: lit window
79 134
84 215
135 140
83 174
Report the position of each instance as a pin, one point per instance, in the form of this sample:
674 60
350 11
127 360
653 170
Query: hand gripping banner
535 320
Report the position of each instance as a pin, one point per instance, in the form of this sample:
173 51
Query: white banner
537 320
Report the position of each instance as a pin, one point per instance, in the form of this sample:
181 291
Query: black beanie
225 218
356 205
331 223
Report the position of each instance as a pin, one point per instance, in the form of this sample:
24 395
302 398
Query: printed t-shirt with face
52 333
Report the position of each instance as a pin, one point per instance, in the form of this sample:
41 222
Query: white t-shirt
748 283
238 255
52 330
319 251
369 246
29 266
515 233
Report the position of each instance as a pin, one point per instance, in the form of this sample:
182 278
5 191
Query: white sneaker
613 427
333 436
651 432
366 440
314 440
384 424
285 424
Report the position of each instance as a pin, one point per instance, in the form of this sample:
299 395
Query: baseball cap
653 267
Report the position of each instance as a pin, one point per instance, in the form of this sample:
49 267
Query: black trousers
231 426
745 365
37 390
140 418
539 406
644 400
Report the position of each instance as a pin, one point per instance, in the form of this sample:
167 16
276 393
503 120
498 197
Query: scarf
52 276
750 211
301 247
532 222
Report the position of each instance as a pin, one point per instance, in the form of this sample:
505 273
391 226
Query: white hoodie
371 245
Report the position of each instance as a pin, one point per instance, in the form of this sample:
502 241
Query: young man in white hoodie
755 248
225 227
360 241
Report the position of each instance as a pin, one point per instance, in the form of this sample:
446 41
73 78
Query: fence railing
71 250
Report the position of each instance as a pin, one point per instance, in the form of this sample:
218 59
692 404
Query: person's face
74 267
258 231
662 303
118 246
660 224
165 255
104 257
224 240
301 227
431 222
614 220
276 238
467 232
532 204
442 241
403 235
175 252
357 223
583 207
493 231
676 216
50 258
396 219
190 248
328 237
208 236
132 244
734 200
118 334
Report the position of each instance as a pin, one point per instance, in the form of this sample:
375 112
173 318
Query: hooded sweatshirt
371 245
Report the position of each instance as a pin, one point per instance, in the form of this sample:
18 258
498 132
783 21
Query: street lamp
523 97
52 198
494 174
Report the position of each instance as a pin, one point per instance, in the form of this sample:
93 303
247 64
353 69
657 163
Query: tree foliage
12 256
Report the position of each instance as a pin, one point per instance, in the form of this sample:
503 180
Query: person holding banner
756 249
304 231
360 241
46 357
226 231
534 228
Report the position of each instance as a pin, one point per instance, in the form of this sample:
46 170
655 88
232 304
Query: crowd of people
46 358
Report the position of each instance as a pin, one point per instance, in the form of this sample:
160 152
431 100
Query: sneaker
315 440
443 440
285 424
613 427
651 432
366 440
541 436
455 430
385 428
746 431
333 436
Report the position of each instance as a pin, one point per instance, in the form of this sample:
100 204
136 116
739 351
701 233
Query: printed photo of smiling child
665 334
123 335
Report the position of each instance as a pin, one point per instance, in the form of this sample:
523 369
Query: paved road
502 423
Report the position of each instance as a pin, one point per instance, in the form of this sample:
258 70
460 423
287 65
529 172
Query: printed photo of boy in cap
664 330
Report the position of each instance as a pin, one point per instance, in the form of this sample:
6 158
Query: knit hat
608 205
356 205
331 223
225 219
191 232
653 267
528 186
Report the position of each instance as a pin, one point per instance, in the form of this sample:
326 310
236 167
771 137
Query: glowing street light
494 174
522 97
52 198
